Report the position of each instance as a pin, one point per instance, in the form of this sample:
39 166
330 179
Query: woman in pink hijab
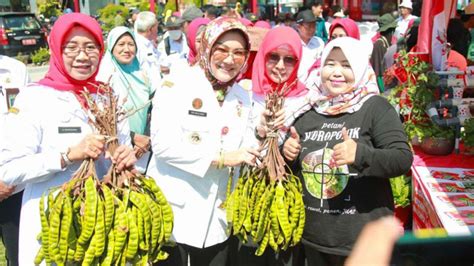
195 30
50 131
341 27
275 67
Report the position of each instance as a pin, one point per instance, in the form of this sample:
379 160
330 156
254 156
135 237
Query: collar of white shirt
140 39
313 43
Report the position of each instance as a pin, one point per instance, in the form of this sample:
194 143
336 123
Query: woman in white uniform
197 128
49 137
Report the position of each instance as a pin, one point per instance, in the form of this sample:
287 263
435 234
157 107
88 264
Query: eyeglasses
238 55
75 50
288 61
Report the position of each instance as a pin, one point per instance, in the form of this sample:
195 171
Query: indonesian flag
435 15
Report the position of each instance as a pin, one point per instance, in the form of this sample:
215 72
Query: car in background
21 32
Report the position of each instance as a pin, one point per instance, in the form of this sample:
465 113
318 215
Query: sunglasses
275 58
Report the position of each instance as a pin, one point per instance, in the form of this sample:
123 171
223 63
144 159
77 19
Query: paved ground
36 72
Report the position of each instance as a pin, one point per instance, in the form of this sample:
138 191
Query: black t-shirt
348 202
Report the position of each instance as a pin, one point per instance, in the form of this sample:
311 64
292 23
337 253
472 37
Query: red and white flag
432 36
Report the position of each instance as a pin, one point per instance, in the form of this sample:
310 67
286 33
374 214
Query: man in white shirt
174 47
146 33
312 45
13 77
405 19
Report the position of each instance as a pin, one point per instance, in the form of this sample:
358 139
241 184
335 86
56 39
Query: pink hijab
275 38
193 29
349 26
351 29
246 22
262 24
57 76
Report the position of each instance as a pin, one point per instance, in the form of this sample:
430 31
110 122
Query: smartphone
433 247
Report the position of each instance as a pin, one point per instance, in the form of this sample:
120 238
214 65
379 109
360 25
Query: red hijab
57 76
351 29
349 26
275 38
193 29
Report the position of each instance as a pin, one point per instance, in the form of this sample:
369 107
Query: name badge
197 113
68 130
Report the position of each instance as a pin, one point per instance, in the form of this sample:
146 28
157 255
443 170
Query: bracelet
66 159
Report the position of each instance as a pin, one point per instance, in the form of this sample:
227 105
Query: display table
443 192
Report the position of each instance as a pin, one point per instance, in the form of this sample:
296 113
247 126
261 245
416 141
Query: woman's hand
142 145
243 155
5 191
277 123
292 146
90 147
124 158
345 152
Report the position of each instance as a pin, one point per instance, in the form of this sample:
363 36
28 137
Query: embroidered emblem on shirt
197 103
195 138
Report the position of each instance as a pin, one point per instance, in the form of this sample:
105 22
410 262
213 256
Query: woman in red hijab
341 27
50 131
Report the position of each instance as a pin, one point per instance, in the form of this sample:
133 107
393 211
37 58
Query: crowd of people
197 105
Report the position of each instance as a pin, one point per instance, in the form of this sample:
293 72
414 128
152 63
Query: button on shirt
148 57
311 52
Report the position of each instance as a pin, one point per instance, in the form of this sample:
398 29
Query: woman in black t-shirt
344 150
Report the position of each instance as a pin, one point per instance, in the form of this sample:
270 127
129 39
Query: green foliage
468 133
401 190
49 8
108 15
170 5
418 93
142 5
41 56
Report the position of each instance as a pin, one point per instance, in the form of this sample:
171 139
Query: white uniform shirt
178 51
402 26
149 59
13 75
186 127
312 51
47 123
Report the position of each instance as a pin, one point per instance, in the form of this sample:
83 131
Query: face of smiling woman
337 75
124 49
228 56
81 54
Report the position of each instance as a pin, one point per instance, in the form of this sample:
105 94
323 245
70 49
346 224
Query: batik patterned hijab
214 30
365 85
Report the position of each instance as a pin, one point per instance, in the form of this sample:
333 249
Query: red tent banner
432 36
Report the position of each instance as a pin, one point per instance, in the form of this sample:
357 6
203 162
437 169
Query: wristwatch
65 158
